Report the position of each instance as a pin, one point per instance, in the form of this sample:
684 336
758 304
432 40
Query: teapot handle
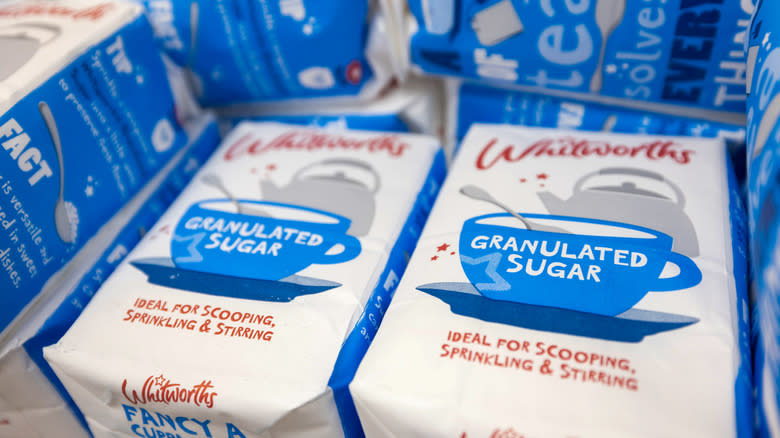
53 31
342 161
633 172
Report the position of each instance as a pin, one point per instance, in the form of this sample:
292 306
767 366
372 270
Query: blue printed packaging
765 295
33 401
763 112
476 103
241 51
258 291
570 284
763 140
87 117
675 53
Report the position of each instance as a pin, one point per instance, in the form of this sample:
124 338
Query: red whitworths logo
37 9
158 389
580 148
314 141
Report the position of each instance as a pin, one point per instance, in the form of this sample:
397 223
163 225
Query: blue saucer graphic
630 326
162 272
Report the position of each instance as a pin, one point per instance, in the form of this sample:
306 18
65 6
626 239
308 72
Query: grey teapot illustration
20 42
630 204
338 185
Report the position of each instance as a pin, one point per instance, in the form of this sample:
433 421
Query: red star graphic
159 380
435 258
442 247
271 167
541 176
354 72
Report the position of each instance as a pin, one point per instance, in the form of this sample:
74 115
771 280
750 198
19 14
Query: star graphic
159 380
491 261
271 167
442 247
193 255
541 176
435 258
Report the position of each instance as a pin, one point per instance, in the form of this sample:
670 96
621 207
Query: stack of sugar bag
248 307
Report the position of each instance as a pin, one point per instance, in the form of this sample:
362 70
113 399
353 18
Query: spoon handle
517 216
479 194
194 14
54 133
215 181
597 80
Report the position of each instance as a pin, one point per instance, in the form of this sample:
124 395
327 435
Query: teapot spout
552 203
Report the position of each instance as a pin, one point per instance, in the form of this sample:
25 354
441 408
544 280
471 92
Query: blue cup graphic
266 240
588 265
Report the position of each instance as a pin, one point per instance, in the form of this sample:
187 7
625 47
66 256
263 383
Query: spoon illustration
479 194
609 14
65 214
768 123
214 181
195 82
609 124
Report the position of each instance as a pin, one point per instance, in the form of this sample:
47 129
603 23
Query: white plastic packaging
247 307
541 301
